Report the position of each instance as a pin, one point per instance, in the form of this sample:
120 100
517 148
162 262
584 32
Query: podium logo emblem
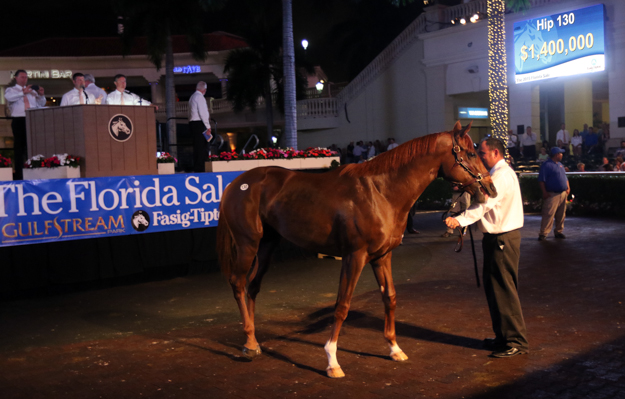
120 127
140 221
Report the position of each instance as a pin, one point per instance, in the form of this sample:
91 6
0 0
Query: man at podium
77 95
121 96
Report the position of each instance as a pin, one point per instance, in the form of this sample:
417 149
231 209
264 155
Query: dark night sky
374 22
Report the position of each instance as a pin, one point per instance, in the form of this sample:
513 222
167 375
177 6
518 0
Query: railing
318 108
464 10
310 108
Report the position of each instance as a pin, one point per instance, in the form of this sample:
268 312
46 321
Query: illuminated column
616 73
577 103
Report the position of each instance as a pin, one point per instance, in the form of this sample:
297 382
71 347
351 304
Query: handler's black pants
200 147
500 274
18 125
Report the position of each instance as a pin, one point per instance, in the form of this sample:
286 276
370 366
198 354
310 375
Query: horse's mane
392 160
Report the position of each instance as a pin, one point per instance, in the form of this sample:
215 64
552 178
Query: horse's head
464 168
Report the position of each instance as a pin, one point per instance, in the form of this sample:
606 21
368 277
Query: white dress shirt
562 135
15 99
96 92
503 213
391 146
115 98
198 109
528 139
73 97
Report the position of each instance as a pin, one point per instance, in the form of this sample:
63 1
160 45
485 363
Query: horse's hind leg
267 246
350 273
238 281
382 271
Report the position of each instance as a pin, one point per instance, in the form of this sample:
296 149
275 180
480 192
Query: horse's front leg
350 273
383 273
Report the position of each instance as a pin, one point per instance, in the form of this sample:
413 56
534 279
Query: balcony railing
309 108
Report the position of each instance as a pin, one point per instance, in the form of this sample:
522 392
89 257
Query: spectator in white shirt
90 87
529 144
199 125
121 96
563 139
20 98
500 218
77 95
391 144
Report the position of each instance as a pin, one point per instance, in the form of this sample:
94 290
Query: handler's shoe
542 237
507 352
560 235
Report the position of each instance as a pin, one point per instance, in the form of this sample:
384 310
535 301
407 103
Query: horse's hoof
251 353
399 356
335 373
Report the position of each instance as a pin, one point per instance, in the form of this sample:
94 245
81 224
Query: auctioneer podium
113 140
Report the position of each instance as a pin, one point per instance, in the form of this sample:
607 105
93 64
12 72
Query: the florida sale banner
37 211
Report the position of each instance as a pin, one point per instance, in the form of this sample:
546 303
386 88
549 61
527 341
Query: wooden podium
113 140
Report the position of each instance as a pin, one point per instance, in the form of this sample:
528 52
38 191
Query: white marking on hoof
330 349
335 372
244 186
397 354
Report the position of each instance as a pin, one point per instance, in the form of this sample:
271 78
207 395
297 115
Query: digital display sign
472 113
563 44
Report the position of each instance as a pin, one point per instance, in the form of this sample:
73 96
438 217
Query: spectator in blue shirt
555 188
592 141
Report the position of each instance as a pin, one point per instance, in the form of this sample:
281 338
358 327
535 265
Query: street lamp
305 44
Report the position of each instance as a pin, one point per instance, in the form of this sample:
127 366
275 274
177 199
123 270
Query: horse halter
477 177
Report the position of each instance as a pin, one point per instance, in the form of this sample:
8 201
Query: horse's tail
226 247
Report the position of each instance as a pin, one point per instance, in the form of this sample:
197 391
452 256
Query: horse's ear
457 127
459 132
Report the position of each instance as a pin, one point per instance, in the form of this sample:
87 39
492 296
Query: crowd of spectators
361 151
584 150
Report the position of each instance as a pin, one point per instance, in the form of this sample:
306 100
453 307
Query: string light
497 70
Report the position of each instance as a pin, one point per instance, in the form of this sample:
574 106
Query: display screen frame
558 45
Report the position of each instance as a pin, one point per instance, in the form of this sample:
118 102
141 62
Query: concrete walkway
181 338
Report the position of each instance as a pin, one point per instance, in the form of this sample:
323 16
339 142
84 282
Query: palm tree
257 71
158 20
290 106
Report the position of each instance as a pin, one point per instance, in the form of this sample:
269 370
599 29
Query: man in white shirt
529 144
120 96
77 95
199 124
391 144
500 219
563 139
20 98
90 87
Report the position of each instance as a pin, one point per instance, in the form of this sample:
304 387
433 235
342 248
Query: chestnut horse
357 211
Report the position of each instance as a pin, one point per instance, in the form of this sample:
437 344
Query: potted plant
58 166
6 170
166 163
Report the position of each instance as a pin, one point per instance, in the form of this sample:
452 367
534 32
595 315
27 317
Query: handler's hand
452 223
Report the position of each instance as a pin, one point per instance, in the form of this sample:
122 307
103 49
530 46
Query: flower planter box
60 172
166 168
6 174
318 163
293 163
231 166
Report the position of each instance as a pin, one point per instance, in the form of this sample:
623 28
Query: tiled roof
111 46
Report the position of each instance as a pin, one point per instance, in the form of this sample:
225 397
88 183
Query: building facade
436 72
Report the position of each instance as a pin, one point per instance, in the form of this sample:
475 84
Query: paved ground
181 338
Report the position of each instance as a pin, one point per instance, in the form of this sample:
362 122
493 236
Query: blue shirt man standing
555 188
